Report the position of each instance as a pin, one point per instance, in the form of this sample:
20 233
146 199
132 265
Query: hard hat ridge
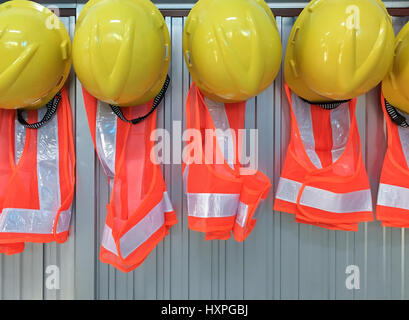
121 51
339 49
232 48
35 51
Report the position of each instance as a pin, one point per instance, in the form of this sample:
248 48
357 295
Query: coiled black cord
51 110
117 110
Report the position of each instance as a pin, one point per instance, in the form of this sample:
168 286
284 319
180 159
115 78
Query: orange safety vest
393 195
37 177
139 212
220 198
324 181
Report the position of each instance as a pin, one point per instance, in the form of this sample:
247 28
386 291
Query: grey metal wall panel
280 260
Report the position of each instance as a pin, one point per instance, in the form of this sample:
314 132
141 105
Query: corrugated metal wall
280 260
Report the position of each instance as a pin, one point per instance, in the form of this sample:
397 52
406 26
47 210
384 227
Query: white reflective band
224 137
404 139
19 140
215 205
33 221
48 165
340 124
139 233
242 213
302 112
108 241
393 196
40 221
167 204
212 205
105 138
357 201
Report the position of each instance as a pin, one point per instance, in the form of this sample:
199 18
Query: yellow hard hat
35 55
339 49
121 50
232 48
395 86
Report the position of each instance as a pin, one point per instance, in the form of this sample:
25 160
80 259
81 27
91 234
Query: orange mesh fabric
139 214
324 181
221 199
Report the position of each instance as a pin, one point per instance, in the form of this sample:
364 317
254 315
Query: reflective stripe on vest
141 232
40 212
340 126
105 140
404 140
224 136
393 194
215 205
242 214
219 199
349 202
210 205
139 212
324 181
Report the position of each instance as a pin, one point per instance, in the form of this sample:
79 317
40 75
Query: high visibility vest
221 197
37 175
393 194
324 181
139 212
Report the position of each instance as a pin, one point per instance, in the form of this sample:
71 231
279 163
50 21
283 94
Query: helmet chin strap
326 105
396 117
51 110
117 110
